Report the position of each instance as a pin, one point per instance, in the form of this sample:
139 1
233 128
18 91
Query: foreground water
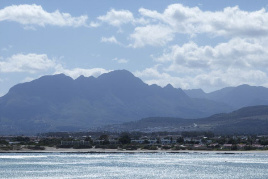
139 165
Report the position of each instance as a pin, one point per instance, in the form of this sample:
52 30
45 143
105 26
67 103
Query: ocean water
139 165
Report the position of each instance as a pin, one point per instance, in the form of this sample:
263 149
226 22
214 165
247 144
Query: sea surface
138 165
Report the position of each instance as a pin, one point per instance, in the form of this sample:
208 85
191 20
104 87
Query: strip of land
99 150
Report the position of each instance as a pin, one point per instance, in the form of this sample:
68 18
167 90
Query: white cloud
154 76
208 81
231 22
31 63
110 40
94 24
35 15
149 72
41 64
154 35
121 60
76 72
238 61
230 77
156 28
236 53
228 22
117 17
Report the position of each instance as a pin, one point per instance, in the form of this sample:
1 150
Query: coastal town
124 141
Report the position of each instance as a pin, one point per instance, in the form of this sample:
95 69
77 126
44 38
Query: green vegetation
137 141
124 138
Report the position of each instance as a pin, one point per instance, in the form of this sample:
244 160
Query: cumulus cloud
31 63
235 62
229 77
110 40
117 17
94 24
76 72
236 53
40 63
208 81
154 35
154 76
35 15
230 21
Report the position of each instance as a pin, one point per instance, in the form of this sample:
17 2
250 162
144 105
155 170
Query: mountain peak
244 86
82 77
169 86
55 77
121 77
117 73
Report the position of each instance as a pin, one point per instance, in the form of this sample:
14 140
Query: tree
180 140
89 140
146 142
3 142
125 138
105 139
158 141
21 139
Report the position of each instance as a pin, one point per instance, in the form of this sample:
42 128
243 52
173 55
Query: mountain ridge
60 103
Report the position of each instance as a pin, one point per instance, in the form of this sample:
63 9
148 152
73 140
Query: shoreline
114 151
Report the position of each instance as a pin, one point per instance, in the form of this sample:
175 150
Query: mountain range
60 103
236 97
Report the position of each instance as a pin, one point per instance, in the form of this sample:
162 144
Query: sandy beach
99 150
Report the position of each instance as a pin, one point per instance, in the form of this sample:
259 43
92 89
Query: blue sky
190 44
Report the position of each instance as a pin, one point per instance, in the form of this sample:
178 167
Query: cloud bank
40 63
36 15
31 63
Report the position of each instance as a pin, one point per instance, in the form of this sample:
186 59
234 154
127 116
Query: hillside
248 120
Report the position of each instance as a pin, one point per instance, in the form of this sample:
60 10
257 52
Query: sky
189 44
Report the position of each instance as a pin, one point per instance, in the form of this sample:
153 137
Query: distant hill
237 97
248 120
59 103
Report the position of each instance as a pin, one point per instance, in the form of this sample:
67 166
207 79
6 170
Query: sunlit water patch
140 165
